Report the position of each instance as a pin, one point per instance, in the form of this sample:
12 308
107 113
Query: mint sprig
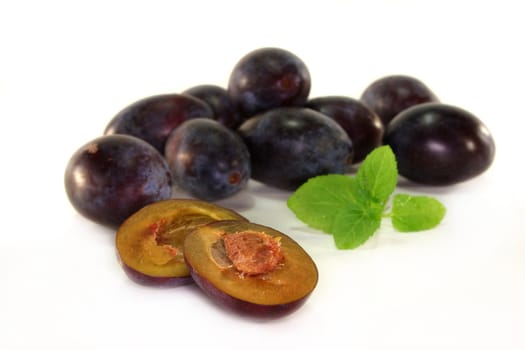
352 208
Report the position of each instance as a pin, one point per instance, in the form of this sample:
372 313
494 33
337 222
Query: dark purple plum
207 159
111 177
438 144
153 118
361 124
392 94
218 99
250 269
289 145
268 78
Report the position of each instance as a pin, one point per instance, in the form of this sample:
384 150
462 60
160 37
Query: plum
267 78
153 118
439 144
111 177
361 124
389 95
149 243
289 145
207 159
250 269
218 99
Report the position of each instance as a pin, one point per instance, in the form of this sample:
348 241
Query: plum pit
253 253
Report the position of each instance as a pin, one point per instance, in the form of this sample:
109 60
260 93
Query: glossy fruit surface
113 176
289 145
438 144
153 118
249 268
207 159
361 124
392 94
267 78
150 242
218 99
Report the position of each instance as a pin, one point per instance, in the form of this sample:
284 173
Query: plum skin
439 144
111 177
244 307
154 281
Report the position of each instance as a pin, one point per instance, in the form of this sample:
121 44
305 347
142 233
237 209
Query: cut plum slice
250 268
150 242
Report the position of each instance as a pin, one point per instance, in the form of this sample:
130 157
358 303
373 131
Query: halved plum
249 268
150 242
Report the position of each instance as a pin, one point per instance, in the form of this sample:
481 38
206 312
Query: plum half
250 269
150 242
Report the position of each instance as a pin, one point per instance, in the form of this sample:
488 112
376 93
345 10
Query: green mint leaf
355 224
377 174
416 213
351 208
318 200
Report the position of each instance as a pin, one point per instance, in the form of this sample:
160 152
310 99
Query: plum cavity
251 269
150 242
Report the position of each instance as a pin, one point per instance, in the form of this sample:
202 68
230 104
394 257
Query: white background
67 67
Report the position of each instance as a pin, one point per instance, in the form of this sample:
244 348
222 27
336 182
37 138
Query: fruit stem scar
253 253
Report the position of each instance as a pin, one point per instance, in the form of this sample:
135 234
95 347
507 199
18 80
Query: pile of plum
209 141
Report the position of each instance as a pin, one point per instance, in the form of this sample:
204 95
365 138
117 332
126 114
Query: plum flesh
276 280
150 242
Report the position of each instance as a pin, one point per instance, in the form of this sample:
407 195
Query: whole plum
439 144
218 99
111 177
268 78
289 145
389 95
207 159
361 124
153 118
